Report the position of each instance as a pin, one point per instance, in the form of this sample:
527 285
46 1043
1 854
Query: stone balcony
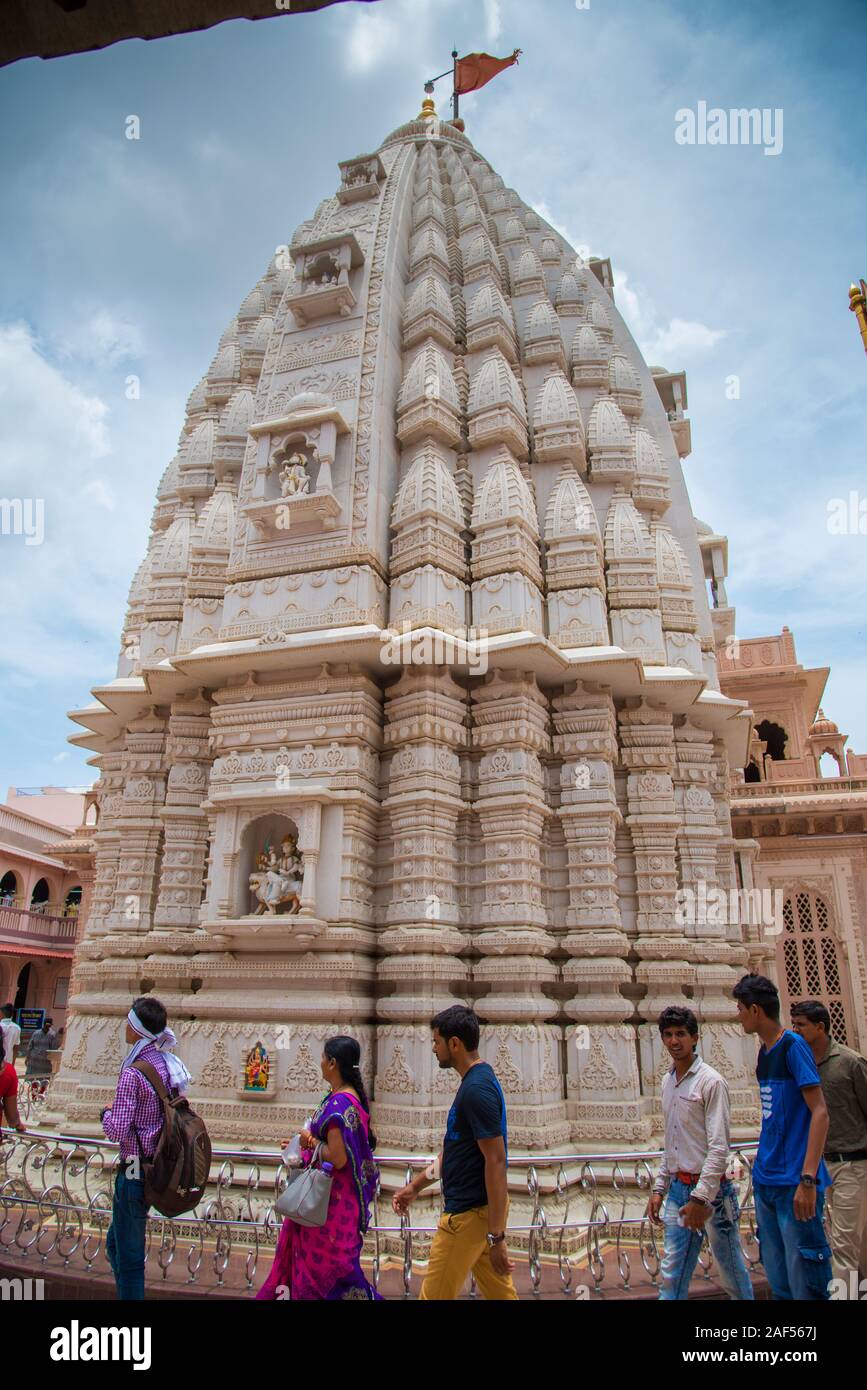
37 931
782 788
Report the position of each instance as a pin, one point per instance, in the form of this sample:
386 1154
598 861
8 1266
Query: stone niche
271 866
322 273
254 833
293 486
360 178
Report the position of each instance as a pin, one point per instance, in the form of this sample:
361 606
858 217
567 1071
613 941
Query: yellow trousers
460 1245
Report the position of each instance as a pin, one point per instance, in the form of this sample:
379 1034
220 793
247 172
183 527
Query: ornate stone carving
218 1070
303 1074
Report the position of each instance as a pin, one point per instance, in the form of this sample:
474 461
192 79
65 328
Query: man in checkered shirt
134 1121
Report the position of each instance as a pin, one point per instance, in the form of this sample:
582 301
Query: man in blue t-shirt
471 1234
789 1176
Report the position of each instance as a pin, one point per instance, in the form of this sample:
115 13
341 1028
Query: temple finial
428 109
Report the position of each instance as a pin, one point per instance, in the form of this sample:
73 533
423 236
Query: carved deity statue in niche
360 173
294 478
257 1069
324 270
277 879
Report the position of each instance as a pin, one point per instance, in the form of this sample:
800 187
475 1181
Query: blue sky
130 257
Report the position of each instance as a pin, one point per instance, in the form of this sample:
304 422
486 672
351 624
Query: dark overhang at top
54 28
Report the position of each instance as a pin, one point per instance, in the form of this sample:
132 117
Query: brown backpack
176 1177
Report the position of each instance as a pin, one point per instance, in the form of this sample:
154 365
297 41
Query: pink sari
324 1262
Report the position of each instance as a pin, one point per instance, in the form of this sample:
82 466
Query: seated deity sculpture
277 879
323 271
294 478
257 1069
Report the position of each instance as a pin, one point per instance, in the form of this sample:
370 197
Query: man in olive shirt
843 1074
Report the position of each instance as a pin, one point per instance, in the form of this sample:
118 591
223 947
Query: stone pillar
603 1087
699 836
360 823
420 938
510 719
106 839
665 968
140 826
186 824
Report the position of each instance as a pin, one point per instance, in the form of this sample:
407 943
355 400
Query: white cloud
100 494
682 337
634 306
100 339
376 35
663 344
493 20
31 389
63 594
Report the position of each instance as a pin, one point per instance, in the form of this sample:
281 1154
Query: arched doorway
8 889
775 737
40 895
23 986
72 902
812 964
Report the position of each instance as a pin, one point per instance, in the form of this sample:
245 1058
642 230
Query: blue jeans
682 1246
795 1254
125 1243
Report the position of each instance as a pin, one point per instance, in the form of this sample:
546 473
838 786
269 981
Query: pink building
799 817
40 897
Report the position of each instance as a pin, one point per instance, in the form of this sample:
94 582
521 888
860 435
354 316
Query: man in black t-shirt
471 1234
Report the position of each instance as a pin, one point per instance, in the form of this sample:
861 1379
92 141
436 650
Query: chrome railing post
406 1233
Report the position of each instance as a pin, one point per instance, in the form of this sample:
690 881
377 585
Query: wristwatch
808 1180
495 1239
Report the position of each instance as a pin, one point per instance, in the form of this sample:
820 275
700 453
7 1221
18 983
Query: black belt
856 1156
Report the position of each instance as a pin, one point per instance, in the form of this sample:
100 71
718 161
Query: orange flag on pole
476 69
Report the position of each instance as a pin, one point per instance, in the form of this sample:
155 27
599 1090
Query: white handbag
305 1199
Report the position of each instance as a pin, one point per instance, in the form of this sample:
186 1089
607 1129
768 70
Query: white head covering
179 1077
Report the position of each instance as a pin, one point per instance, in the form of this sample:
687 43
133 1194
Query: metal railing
582 1212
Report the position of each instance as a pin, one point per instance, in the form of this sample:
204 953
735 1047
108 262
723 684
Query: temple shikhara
419 699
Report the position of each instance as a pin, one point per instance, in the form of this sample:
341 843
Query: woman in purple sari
324 1262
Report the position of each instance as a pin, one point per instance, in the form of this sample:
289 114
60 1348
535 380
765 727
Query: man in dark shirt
843 1074
471 1234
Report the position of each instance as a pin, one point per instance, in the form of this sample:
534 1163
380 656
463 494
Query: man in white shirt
11 1032
691 1177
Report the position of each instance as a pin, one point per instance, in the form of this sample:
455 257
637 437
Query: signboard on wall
29 1020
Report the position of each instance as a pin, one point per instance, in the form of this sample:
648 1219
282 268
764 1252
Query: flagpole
454 84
